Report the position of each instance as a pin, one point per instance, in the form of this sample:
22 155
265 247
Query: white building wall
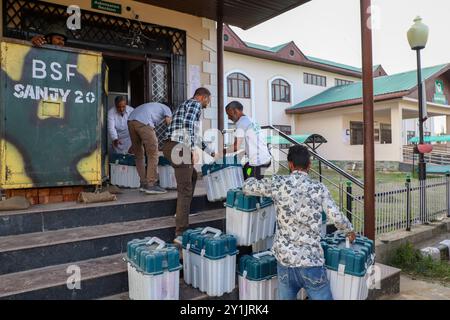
261 72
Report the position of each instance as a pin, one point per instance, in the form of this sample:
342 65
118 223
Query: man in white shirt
141 124
249 132
118 125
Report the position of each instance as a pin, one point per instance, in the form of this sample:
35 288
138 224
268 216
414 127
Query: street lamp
417 38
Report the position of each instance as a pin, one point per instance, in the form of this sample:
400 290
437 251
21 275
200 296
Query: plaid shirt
185 124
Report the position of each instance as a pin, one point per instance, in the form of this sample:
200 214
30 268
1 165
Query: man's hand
38 41
130 151
351 236
194 157
116 143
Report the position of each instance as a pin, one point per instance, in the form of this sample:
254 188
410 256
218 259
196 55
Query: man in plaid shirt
182 138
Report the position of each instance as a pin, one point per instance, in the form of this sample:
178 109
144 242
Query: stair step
186 293
37 250
130 206
99 277
389 282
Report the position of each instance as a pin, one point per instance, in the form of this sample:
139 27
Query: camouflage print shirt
299 202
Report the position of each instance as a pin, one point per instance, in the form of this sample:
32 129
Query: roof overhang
242 14
236 45
346 103
309 64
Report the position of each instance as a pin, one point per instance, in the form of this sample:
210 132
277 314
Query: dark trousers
186 177
254 171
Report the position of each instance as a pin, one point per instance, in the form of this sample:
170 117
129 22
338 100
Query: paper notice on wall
346 136
194 79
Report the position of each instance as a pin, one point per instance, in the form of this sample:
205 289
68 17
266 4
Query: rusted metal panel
50 116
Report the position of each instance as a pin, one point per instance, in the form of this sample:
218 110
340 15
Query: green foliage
411 261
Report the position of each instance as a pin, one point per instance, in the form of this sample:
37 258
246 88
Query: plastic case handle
212 230
347 240
262 254
161 243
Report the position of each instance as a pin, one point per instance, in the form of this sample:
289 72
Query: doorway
140 79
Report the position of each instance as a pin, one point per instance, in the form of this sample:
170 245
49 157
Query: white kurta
118 129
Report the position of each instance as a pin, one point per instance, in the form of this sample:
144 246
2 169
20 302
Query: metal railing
322 160
397 205
440 155
344 188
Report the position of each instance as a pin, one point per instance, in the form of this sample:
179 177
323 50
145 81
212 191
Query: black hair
119 99
202 92
299 156
235 105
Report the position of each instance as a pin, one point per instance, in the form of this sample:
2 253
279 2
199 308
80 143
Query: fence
440 155
397 207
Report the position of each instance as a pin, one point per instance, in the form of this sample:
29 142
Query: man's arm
112 126
333 213
262 188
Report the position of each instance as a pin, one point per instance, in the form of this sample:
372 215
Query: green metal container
51 116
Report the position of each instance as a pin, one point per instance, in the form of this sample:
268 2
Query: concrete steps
37 250
42 246
131 207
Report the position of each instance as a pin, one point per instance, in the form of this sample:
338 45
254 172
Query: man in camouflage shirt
299 202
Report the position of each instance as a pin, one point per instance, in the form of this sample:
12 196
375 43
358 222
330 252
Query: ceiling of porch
240 13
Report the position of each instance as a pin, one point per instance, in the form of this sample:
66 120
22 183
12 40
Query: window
427 134
340 82
386 136
238 86
286 130
410 135
281 91
382 134
314 79
356 133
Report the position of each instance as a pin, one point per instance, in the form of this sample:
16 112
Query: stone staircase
43 248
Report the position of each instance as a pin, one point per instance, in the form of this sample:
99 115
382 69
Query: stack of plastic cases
123 170
257 277
221 177
348 265
153 270
249 218
166 174
209 260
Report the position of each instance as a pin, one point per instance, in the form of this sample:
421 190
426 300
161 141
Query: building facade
337 114
269 80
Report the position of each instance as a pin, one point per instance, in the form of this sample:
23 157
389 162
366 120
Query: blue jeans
313 279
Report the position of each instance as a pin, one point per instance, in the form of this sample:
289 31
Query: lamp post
417 38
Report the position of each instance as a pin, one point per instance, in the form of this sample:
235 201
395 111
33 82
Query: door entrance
140 79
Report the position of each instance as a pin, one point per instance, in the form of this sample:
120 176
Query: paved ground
418 289
411 289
